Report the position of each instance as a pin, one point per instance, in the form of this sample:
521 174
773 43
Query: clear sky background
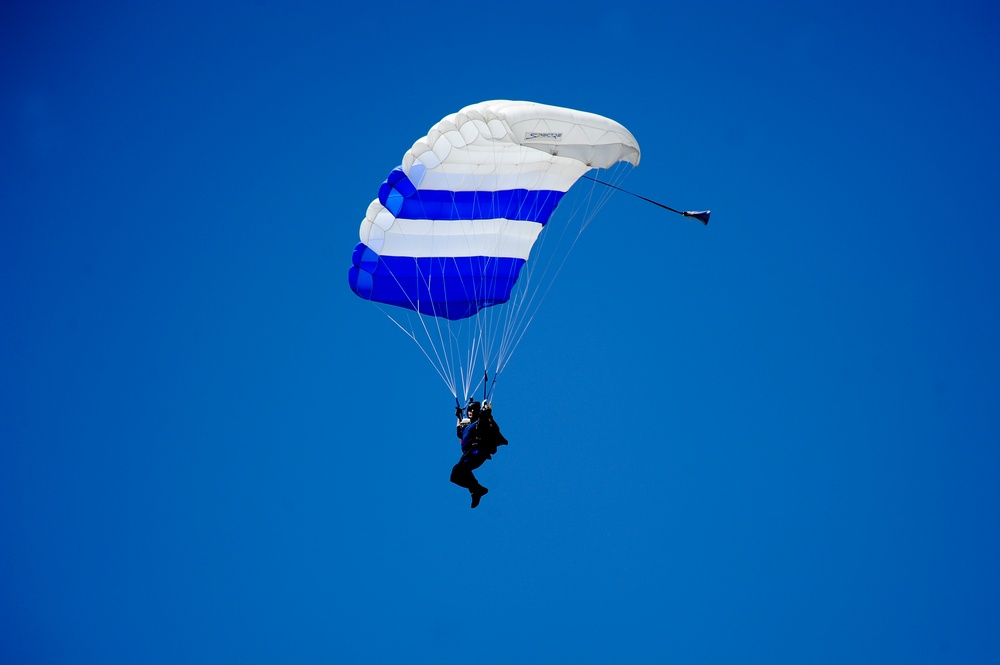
774 439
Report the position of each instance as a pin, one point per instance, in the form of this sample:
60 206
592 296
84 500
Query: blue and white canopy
455 223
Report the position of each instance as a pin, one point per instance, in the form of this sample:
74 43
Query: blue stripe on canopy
513 204
447 287
405 201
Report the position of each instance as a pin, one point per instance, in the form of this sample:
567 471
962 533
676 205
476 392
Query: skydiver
480 436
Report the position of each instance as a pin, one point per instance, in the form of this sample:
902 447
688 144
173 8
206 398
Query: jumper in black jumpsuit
480 440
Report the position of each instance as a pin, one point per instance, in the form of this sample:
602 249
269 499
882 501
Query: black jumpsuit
480 440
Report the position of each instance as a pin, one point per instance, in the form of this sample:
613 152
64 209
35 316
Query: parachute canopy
453 226
447 242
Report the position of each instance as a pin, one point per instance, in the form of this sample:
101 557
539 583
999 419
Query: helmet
473 408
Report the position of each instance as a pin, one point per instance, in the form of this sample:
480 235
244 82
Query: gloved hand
458 412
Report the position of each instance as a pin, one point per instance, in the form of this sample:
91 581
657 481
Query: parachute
458 241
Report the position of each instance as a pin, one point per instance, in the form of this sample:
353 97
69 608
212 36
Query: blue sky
775 440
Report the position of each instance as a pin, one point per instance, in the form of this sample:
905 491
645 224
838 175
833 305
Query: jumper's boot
477 494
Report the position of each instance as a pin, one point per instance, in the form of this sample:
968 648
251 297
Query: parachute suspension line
442 366
438 367
524 296
477 344
442 361
447 365
492 316
527 288
464 334
461 335
450 342
587 211
475 332
491 320
496 316
508 312
453 335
